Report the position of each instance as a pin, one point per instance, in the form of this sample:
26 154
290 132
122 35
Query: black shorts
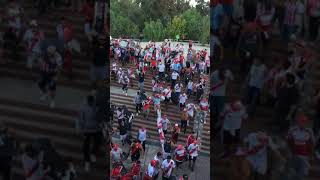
47 81
229 139
193 159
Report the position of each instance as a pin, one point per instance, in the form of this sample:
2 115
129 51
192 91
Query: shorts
46 81
123 137
98 73
193 158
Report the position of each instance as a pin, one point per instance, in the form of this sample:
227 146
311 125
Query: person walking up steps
138 103
90 128
167 167
49 71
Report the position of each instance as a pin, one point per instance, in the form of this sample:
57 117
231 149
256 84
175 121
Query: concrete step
25 75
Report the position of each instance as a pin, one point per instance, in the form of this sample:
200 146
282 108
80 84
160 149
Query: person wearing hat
231 120
184 120
151 170
167 167
301 143
33 37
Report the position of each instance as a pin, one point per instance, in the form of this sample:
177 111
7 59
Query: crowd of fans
179 78
275 43
51 58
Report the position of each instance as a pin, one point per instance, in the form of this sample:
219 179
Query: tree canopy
159 19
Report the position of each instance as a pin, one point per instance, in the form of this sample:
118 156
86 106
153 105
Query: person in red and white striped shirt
301 142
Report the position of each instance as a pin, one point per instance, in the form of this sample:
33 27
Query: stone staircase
28 121
172 112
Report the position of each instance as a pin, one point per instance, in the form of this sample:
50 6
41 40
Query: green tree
153 30
205 34
193 24
176 27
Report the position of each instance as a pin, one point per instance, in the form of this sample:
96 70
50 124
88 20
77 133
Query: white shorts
123 137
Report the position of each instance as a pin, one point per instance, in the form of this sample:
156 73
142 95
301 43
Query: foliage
154 30
159 19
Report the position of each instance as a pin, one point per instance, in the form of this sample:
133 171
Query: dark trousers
184 126
94 140
314 27
193 162
138 107
253 95
216 105
143 143
5 169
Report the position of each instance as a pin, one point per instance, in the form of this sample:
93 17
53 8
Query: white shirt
151 171
165 123
220 90
177 88
142 135
183 99
174 75
167 93
193 147
116 155
165 165
259 159
257 75
233 119
190 109
161 67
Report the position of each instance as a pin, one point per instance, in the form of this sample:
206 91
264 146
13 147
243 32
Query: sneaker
87 166
137 114
44 97
126 94
52 104
93 158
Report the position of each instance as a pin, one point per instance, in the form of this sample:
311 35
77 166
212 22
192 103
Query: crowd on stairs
274 45
180 80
